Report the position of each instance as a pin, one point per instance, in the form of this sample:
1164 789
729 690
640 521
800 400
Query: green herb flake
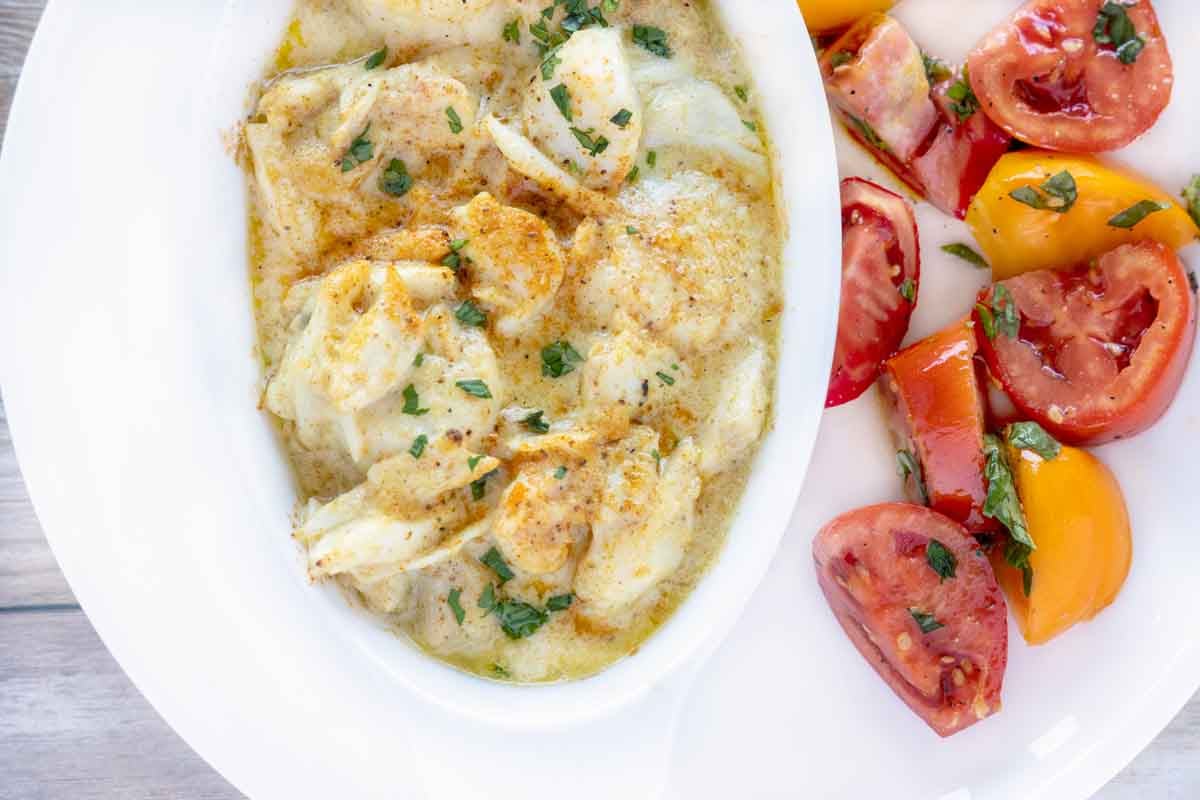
867 133
473 462
907 466
963 103
986 320
633 174
394 179
1136 213
361 151
536 423
549 63
419 360
560 602
470 315
1002 503
512 31
652 159
657 456
1004 310
487 598
454 120
926 622
560 473
665 378
412 403
454 600
454 258
841 58
908 290
1057 194
940 559
500 672
966 254
418 446
935 69
611 5
519 620
559 358
742 93
653 39
561 96
622 118
496 563
475 388
750 126
1033 437
1191 196
376 58
594 147
632 231
479 487
1114 27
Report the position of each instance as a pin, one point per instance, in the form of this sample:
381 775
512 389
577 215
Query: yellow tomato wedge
1016 238
1077 517
827 15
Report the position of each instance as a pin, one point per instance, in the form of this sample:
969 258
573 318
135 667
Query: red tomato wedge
1101 349
940 641
939 416
881 270
1054 75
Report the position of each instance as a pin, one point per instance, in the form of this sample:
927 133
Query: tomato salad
1082 337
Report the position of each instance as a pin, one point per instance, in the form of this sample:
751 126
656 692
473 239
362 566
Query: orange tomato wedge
827 15
1077 518
1017 238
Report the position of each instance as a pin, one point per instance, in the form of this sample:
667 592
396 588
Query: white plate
130 388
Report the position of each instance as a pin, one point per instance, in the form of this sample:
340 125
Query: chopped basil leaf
940 559
1191 196
1136 213
908 290
518 619
1031 436
376 58
935 70
561 96
560 602
361 151
487 598
559 359
512 31
455 121
966 254
470 315
841 58
926 622
535 423
1113 26
475 388
496 563
1002 503
653 39
651 158
965 103
986 320
473 462
1004 308
394 179
454 601
621 118
1060 188
560 473
868 133
633 174
594 147
665 378
412 403
418 446
549 63
742 93
907 465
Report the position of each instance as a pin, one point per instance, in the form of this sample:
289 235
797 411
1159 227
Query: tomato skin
872 567
1042 77
879 233
933 387
1117 337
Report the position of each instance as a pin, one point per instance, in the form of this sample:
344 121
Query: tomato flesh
1101 349
873 567
879 254
1044 78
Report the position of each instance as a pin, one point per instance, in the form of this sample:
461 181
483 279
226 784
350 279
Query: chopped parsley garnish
1191 196
935 69
1057 194
394 179
487 598
518 619
475 388
1033 437
940 559
560 473
499 671
652 159
926 622
750 126
470 315
560 602
742 93
376 58
665 378
454 120
657 456
840 58
453 259
632 231
1002 503
561 96
512 31
549 63
496 563
361 151
964 102
621 118
867 133
547 40
454 600
1114 27
1136 213
419 360
412 403
908 466
908 290
633 174
653 39
594 147
966 254
536 423
559 359
473 462
1004 310
479 487
418 446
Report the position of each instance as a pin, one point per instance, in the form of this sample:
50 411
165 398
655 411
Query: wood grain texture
73 726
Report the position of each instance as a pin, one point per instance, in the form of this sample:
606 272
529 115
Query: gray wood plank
18 19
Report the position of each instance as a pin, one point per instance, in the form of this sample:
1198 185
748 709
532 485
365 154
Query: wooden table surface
73 726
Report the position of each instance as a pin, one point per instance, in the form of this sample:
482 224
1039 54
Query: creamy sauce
665 284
